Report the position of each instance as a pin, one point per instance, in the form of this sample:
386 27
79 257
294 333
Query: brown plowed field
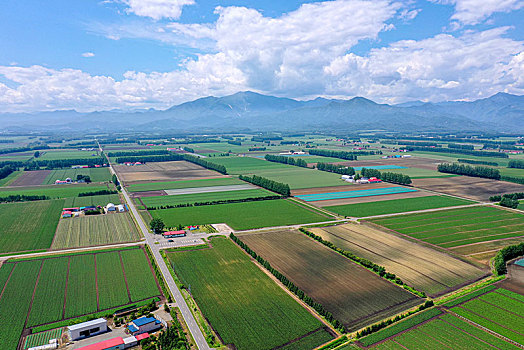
424 268
413 162
164 171
468 187
343 188
31 178
370 199
354 295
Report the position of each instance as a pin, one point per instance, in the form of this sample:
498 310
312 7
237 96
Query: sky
136 54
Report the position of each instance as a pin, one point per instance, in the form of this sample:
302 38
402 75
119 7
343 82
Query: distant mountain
252 111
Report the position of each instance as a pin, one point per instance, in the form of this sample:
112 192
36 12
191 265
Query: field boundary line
320 209
463 226
487 236
7 280
422 211
498 307
488 319
96 285
125 277
34 292
153 272
493 240
486 329
431 337
299 338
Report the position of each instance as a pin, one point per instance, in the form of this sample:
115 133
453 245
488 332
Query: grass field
53 191
50 277
67 154
512 172
101 200
26 226
397 206
246 165
171 185
354 295
458 227
42 338
298 178
94 230
442 332
241 216
242 303
420 267
96 175
417 173
204 197
500 311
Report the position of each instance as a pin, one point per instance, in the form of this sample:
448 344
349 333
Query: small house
174 234
110 207
120 208
67 214
144 325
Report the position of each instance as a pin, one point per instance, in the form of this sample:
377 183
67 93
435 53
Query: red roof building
142 336
172 234
110 344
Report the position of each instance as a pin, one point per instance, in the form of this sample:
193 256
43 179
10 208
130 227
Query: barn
87 329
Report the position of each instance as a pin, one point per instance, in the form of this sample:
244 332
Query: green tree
157 225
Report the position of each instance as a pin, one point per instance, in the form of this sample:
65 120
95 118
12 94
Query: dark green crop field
241 216
173 185
53 191
50 277
241 302
26 226
397 206
457 227
204 197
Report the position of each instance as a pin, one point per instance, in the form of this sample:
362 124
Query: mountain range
250 111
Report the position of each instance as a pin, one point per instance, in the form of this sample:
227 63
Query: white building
110 207
121 208
87 329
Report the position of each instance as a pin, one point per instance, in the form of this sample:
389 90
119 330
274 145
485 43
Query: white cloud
88 54
470 12
157 9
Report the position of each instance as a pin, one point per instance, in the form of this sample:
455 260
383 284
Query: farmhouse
144 325
87 329
174 234
67 214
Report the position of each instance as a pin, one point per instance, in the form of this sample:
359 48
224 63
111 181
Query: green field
26 226
53 191
204 197
457 227
241 302
443 332
101 200
418 173
396 206
172 185
47 154
241 216
49 277
246 165
519 173
10 178
42 338
96 175
93 230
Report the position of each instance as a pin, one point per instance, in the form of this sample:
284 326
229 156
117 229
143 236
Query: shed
66 214
110 344
110 207
87 329
144 325
121 208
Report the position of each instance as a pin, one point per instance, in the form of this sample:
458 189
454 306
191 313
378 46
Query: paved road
197 334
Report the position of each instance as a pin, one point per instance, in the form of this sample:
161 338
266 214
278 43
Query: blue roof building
143 325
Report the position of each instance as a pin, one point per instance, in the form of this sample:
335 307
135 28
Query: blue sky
128 54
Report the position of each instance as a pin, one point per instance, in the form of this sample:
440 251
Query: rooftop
144 320
106 344
87 324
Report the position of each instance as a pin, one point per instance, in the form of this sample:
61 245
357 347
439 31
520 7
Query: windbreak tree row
461 169
338 169
395 178
278 187
286 160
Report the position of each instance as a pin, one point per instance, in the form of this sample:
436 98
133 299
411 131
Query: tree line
459 151
395 178
517 180
223 201
63 163
508 200
148 152
506 254
516 164
461 146
205 163
235 142
461 169
286 160
23 149
421 143
5 171
189 149
379 270
96 193
291 286
478 162
23 198
338 169
334 154
252 149
278 187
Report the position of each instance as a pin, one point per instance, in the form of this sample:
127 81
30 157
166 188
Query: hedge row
338 169
205 163
516 163
96 193
334 154
379 270
63 163
22 198
291 286
395 178
461 169
6 171
278 187
286 160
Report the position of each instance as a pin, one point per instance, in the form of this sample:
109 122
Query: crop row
140 280
112 290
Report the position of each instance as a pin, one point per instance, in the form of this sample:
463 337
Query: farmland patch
354 295
158 186
30 178
354 193
95 174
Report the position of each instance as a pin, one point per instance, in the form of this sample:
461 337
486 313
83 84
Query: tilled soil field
31 178
468 187
354 295
413 162
164 171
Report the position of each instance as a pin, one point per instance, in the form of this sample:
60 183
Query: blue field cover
354 194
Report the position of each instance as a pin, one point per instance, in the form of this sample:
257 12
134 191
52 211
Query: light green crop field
49 278
48 154
91 230
204 197
241 216
241 302
457 227
246 165
397 206
26 226
512 172
298 178
86 201
96 175
418 173
446 331
54 191
452 157
172 185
